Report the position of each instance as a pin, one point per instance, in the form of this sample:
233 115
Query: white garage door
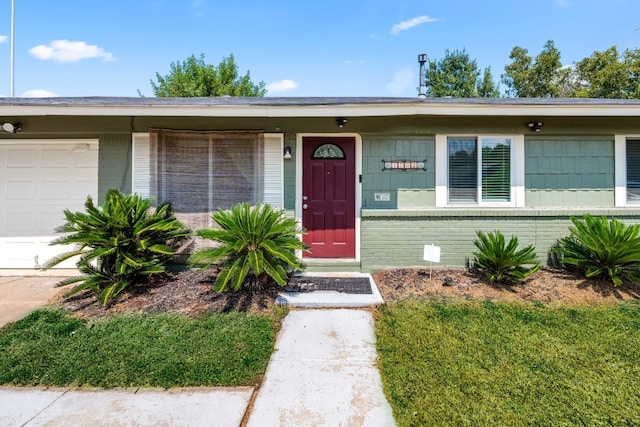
38 181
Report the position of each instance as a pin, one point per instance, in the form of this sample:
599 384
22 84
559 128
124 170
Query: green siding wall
114 164
569 171
407 189
290 173
394 239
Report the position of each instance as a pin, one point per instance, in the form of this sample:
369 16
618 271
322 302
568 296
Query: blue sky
298 48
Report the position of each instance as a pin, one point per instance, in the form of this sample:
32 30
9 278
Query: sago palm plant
119 243
501 261
601 248
255 244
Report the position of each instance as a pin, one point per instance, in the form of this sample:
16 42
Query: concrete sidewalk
132 407
323 373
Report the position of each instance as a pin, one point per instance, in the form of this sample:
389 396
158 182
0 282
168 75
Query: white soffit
418 108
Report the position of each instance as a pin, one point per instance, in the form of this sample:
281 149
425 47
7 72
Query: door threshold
330 260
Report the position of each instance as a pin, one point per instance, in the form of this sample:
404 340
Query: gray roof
305 101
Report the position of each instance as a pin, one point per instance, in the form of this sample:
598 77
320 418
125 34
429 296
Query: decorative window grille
328 151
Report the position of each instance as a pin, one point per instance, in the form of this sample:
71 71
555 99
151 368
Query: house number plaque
404 165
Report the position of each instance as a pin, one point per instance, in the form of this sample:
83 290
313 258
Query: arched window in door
328 151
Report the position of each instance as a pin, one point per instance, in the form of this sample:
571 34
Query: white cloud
405 25
69 51
39 93
3 38
282 86
403 80
199 7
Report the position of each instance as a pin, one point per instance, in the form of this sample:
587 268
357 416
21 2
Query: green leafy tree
501 261
526 77
119 244
194 78
457 75
608 74
256 246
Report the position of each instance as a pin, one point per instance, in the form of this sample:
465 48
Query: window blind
496 169
633 170
200 172
463 170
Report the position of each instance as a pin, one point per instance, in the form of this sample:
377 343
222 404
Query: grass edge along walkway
510 364
50 347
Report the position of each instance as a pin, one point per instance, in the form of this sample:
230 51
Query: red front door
328 196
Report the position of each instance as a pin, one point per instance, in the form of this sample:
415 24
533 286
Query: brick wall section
396 241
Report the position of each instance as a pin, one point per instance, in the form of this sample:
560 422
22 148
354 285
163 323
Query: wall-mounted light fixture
535 126
341 121
11 127
287 153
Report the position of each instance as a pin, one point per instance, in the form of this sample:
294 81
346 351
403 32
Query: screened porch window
479 170
200 172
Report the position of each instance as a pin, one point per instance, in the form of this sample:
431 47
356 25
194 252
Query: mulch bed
191 292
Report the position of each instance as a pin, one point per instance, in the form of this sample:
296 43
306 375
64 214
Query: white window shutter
141 169
273 170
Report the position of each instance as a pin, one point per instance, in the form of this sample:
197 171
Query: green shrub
257 245
600 248
502 262
119 243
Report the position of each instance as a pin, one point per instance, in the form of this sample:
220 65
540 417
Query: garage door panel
17 252
21 158
54 190
37 183
55 158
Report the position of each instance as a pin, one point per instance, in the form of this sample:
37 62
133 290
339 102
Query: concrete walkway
323 373
19 296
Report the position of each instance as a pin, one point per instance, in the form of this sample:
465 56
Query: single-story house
372 180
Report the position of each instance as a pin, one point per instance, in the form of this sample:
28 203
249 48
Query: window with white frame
479 170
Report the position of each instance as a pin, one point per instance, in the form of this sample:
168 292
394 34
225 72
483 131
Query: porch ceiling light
11 127
287 153
535 126
341 121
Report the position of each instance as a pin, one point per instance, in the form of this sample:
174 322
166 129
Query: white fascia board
347 110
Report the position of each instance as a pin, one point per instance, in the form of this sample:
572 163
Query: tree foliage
527 77
605 74
608 74
195 78
457 75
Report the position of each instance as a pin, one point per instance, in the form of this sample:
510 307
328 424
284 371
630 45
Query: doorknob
305 206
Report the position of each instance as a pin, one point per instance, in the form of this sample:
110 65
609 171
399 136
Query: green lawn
51 348
503 364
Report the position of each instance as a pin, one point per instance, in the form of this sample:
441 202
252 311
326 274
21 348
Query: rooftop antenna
422 60
12 46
